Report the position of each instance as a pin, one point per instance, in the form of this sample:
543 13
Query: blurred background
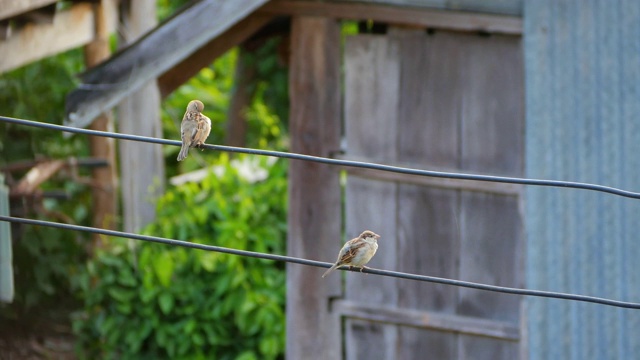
536 89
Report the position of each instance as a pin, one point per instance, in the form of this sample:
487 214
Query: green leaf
165 300
163 266
247 355
120 294
208 260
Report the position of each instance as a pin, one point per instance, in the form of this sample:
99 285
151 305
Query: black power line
348 163
394 274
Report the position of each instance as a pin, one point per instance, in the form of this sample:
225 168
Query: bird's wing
196 129
350 250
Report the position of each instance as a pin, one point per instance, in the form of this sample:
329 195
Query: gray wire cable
393 274
349 163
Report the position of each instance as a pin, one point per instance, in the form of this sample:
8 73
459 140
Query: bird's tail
184 150
335 266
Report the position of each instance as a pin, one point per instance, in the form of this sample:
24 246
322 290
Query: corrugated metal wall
6 255
582 62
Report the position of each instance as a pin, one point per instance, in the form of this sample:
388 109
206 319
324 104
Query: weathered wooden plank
372 205
70 28
428 244
428 224
394 15
189 67
314 189
429 320
369 340
372 77
104 205
492 244
141 166
493 110
10 8
511 7
428 135
467 185
483 348
152 55
491 253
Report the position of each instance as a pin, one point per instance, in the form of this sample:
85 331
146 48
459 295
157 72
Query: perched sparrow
357 252
194 129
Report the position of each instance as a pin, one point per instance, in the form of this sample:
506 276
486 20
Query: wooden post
314 189
104 204
141 165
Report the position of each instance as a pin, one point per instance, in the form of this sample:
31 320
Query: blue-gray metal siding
6 256
582 61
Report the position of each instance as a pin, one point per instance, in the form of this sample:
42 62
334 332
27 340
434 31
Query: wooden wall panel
429 113
492 106
490 253
439 101
483 348
427 344
427 135
370 130
369 340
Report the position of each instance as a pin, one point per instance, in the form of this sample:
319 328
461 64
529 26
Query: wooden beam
70 28
11 8
457 184
104 193
442 19
152 55
314 189
189 67
142 167
429 320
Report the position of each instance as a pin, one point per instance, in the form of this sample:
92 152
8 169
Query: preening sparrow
195 128
357 252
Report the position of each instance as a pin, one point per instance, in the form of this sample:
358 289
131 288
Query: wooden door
440 101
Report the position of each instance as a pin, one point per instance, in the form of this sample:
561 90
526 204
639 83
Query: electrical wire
295 260
339 162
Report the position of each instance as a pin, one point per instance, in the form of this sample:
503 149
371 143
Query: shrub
147 300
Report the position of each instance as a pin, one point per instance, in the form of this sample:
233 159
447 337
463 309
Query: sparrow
357 252
195 128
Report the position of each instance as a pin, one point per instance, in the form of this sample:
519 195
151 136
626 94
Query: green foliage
24 94
51 265
267 116
146 300
44 258
166 8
